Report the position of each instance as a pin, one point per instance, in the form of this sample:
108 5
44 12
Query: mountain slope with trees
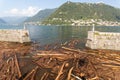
40 16
73 11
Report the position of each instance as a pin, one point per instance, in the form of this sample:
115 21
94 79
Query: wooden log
17 65
69 49
69 74
78 78
50 54
105 58
2 66
42 78
94 68
33 76
29 74
95 78
117 66
60 72
45 76
11 62
12 66
73 50
65 43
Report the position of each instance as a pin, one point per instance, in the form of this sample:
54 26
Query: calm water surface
59 34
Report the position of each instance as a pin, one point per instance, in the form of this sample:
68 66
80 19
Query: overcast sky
31 7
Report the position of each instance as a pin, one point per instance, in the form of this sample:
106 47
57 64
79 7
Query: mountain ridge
41 15
71 11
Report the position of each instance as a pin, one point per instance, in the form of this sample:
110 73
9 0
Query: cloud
30 11
100 2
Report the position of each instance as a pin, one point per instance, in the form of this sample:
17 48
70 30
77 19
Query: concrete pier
10 35
103 40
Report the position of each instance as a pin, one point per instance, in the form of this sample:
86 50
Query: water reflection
59 34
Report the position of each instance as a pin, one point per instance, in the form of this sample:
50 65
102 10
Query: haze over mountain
14 19
2 21
41 15
71 11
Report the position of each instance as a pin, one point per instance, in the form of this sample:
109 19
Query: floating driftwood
61 63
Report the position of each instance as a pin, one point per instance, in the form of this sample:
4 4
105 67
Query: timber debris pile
57 62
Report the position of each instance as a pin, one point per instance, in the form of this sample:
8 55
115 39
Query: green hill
41 15
70 12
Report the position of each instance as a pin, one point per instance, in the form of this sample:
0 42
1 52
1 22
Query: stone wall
14 35
103 40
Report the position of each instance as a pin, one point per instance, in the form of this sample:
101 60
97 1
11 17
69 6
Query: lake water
59 34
